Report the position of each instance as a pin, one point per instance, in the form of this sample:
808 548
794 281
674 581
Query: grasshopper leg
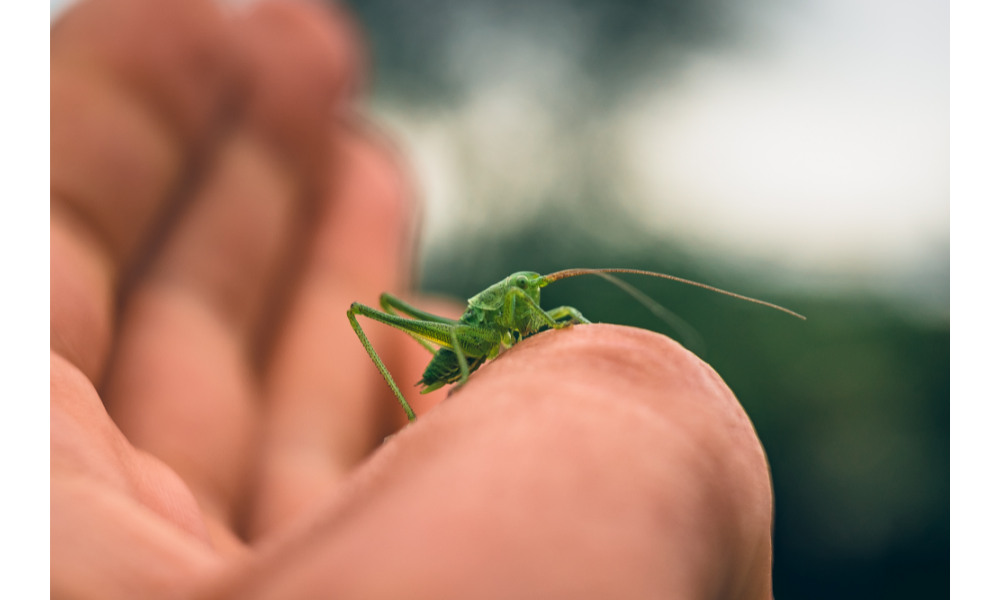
568 311
359 309
549 318
463 364
393 305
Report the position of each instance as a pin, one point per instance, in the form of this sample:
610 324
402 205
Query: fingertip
304 61
368 227
176 54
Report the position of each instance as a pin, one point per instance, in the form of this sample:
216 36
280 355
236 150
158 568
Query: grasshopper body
498 317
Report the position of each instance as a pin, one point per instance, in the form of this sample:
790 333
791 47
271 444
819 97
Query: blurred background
792 150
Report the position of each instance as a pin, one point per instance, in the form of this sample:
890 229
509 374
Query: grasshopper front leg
549 318
568 311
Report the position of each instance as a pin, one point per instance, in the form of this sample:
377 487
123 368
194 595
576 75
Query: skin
216 428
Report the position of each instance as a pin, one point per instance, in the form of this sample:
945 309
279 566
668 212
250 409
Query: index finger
136 91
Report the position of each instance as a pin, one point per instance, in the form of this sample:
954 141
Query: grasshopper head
492 298
528 281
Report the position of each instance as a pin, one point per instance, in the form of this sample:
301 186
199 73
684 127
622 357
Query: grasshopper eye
521 281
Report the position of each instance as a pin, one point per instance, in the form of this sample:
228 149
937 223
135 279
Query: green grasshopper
497 318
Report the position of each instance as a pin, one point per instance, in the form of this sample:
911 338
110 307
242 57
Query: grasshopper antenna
689 335
574 272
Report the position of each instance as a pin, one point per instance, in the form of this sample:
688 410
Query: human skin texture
216 427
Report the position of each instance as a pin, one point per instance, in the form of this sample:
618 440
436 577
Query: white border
24 248
975 196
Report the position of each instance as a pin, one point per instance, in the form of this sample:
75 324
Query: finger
326 405
182 385
123 525
592 462
135 89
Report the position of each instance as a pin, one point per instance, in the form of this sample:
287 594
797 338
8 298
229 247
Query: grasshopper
497 318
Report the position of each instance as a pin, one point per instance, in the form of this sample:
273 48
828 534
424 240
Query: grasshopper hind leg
357 309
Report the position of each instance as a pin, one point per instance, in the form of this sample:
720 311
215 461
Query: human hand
215 210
